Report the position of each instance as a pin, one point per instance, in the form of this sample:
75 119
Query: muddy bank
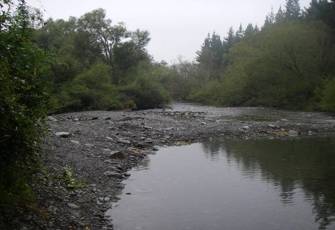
87 155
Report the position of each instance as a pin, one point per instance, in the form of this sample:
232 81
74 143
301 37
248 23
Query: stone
51 118
72 205
118 155
123 141
293 133
245 127
113 174
63 134
75 142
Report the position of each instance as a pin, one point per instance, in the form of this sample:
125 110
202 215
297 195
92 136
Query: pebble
75 142
72 205
63 134
123 141
293 133
51 118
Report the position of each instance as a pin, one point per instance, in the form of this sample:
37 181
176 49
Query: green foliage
92 61
146 91
328 96
279 67
70 179
22 103
283 65
90 90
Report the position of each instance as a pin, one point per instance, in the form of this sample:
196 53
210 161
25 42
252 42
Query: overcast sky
177 27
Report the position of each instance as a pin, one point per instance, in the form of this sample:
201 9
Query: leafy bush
90 90
328 96
146 93
22 104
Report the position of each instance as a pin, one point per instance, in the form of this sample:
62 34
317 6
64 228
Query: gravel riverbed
87 155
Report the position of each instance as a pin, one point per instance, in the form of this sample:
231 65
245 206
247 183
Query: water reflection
232 184
307 164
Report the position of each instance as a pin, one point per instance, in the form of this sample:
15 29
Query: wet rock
155 148
113 174
148 141
119 155
63 134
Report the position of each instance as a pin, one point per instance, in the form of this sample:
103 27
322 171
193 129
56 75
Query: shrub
90 90
22 105
328 96
146 93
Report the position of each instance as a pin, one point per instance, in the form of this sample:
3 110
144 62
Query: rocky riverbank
87 155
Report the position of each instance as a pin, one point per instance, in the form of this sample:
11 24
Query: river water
232 184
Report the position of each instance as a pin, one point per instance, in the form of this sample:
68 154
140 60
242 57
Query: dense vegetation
89 63
288 63
97 65
22 103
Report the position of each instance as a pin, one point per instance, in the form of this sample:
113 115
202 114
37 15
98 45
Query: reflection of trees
309 164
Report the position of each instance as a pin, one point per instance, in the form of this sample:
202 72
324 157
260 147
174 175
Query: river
232 184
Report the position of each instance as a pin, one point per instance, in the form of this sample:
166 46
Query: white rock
63 134
293 133
75 142
73 206
51 118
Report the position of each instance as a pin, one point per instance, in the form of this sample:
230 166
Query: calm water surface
232 184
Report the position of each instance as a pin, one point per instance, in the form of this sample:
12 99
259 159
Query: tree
100 31
280 16
250 30
322 10
23 103
230 39
293 10
210 57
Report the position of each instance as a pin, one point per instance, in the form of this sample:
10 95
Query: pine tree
230 39
280 16
249 31
239 33
293 10
270 19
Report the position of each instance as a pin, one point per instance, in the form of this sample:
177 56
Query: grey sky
177 27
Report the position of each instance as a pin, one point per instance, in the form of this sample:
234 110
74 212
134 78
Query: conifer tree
280 16
293 10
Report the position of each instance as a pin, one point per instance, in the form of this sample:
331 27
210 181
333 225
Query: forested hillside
288 63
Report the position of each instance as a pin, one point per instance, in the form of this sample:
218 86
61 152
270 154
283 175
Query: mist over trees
288 63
